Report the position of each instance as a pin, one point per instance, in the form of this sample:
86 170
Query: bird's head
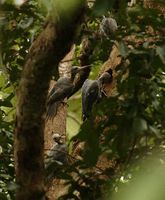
110 71
76 69
106 77
58 138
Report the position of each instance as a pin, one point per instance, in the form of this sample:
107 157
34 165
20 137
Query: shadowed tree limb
45 53
57 125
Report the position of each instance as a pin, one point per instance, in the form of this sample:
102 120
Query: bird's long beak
84 67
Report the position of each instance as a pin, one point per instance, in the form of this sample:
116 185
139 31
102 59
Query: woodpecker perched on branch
108 26
61 90
56 157
93 91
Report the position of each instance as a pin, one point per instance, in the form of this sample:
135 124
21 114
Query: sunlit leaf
161 52
139 125
123 49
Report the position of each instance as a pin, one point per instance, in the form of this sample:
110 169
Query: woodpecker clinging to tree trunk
105 78
93 91
56 157
61 90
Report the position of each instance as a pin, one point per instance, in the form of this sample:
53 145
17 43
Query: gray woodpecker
105 78
93 91
61 90
108 26
56 157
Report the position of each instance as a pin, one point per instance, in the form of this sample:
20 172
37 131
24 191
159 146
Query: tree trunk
45 53
57 187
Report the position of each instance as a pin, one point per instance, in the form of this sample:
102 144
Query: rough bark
45 53
57 187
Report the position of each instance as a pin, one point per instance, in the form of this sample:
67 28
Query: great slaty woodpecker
93 91
105 78
61 90
56 157
108 26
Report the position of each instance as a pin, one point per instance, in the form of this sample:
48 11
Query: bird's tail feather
52 110
85 116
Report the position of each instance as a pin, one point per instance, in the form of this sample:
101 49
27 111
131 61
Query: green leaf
160 50
155 131
7 101
25 23
124 51
12 186
139 125
2 79
102 6
3 196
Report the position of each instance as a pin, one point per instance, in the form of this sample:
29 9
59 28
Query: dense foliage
127 126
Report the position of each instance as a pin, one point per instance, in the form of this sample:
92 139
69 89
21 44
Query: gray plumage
108 26
61 91
57 156
91 93
106 77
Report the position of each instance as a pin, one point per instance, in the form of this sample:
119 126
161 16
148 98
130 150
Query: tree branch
45 53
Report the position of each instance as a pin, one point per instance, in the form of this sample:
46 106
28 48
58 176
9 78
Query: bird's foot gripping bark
65 103
103 92
52 110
